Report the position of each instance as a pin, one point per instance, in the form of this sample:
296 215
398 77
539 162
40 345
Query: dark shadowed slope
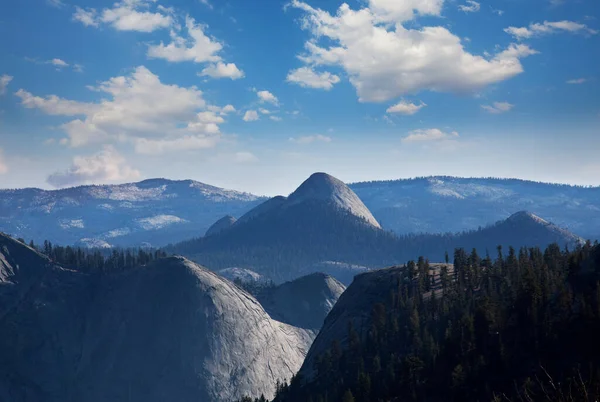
222 224
304 302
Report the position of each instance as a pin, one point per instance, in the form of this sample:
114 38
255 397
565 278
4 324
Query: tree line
97 261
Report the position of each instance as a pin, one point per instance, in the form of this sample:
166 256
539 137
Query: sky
257 95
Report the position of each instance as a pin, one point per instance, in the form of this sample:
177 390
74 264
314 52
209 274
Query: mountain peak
526 216
324 187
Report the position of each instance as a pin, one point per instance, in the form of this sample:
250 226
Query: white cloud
207 3
142 110
496 11
88 17
429 135
106 166
228 109
59 63
78 68
3 166
222 70
577 81
55 3
546 28
400 11
266 96
384 61
55 106
406 108
4 81
275 118
251 115
472 7
198 47
309 139
498 107
264 111
127 15
308 78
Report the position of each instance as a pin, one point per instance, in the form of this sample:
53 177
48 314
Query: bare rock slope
169 331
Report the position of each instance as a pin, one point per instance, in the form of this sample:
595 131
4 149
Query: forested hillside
522 327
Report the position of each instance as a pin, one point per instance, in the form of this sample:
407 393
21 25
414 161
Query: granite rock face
171 330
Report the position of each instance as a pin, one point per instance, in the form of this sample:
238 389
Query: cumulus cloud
308 78
266 96
429 135
251 115
4 81
3 166
309 139
126 15
197 47
275 118
406 108
470 7
384 61
155 117
222 70
576 81
546 28
104 167
498 107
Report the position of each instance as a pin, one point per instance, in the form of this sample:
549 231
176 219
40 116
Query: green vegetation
524 327
97 261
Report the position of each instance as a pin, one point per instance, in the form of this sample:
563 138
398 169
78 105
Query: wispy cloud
429 135
470 7
547 27
4 81
577 81
498 107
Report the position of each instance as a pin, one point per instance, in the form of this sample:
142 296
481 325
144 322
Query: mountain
170 330
157 212
520 229
325 188
152 212
323 227
452 204
519 325
321 221
222 224
241 274
303 302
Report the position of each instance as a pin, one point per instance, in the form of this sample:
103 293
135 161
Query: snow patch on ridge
159 221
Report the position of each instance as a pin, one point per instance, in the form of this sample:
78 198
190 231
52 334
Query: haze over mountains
157 212
171 330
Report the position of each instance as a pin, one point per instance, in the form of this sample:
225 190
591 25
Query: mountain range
170 330
157 212
324 223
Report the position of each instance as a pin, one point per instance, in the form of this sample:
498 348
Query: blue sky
256 95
